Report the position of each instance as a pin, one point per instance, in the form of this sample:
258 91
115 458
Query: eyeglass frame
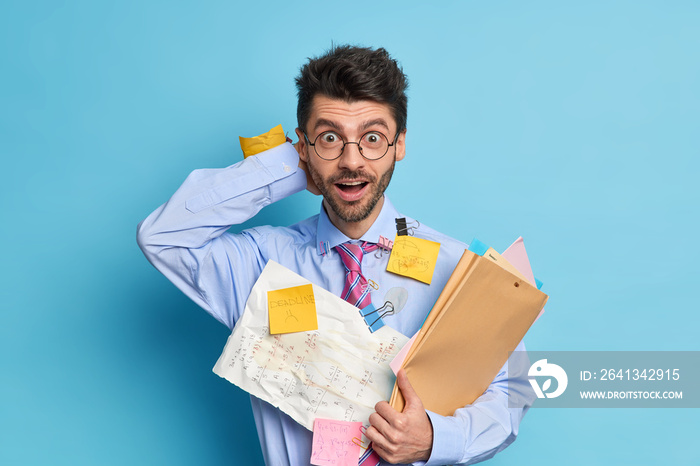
345 143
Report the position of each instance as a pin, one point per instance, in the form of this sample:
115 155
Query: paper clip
370 284
359 443
324 248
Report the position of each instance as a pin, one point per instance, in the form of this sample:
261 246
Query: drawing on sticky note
335 443
414 257
292 310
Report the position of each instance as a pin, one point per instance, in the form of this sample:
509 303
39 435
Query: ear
401 146
301 145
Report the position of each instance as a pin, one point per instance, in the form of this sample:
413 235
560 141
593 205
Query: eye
373 139
329 137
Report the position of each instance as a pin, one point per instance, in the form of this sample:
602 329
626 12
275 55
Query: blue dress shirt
187 240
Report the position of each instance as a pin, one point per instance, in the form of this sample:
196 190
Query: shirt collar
328 236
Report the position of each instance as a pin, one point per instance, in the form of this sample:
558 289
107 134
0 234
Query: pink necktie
356 290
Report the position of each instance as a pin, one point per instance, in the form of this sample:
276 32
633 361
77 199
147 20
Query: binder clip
401 228
384 246
405 229
374 317
387 309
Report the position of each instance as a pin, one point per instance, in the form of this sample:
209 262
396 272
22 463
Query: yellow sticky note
413 257
292 309
265 141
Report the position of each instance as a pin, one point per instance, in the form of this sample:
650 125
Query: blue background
573 124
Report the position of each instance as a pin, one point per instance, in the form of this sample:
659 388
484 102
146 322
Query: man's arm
474 433
186 237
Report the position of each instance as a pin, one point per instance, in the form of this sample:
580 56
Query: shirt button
287 168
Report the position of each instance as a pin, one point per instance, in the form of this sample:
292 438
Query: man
352 130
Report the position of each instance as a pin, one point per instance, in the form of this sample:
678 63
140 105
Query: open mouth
351 186
351 190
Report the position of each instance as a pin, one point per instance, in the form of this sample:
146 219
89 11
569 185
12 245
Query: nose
351 158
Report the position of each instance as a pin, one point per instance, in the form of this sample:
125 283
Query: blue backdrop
573 124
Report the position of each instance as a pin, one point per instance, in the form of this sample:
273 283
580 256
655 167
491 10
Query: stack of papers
482 314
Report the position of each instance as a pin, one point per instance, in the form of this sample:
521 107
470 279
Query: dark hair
353 73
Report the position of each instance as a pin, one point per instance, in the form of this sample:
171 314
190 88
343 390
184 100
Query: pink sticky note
398 360
333 443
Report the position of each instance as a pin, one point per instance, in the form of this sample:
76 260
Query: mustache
350 175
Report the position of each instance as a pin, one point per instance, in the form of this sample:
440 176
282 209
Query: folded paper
265 141
517 255
339 371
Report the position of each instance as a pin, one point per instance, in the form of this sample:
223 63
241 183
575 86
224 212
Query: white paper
339 371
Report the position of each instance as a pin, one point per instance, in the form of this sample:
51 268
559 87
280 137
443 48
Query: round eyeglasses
329 145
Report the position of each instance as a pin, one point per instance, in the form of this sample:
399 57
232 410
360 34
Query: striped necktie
356 290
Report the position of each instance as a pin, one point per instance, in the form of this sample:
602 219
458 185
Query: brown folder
481 315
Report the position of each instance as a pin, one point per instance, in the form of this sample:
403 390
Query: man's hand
401 437
310 185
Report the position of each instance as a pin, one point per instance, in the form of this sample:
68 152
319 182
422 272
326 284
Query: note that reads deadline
292 309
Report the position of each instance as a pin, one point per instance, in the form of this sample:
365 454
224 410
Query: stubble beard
354 211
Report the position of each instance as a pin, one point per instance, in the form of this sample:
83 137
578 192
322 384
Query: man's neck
354 230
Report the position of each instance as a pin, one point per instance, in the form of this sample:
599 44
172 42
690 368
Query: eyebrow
365 126
376 122
324 122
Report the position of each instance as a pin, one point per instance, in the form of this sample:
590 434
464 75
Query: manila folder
481 315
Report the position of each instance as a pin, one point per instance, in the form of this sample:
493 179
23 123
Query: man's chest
401 302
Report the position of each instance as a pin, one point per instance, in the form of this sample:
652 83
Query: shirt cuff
282 162
448 441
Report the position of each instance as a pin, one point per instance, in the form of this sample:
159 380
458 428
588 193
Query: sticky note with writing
336 443
414 257
292 309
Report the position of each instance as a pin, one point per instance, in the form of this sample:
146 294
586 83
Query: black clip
401 228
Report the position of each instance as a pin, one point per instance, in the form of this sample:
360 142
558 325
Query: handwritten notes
414 258
339 371
336 443
292 309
